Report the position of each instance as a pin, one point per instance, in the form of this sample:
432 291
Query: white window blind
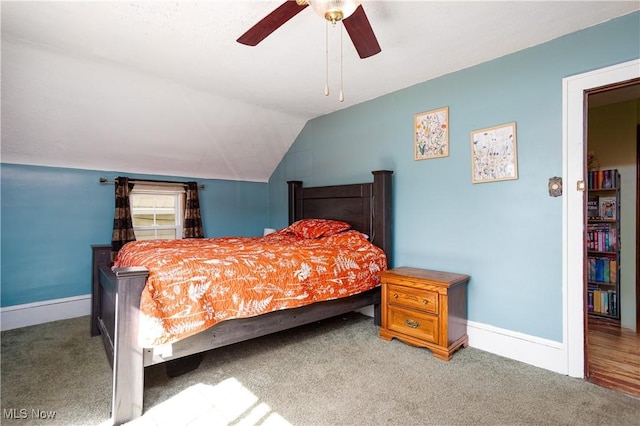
157 210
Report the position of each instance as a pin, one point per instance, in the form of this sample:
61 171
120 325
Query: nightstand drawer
417 324
423 300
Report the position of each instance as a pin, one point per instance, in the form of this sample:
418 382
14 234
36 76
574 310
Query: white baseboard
40 312
543 353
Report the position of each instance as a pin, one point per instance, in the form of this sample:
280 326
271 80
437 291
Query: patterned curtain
122 223
192 220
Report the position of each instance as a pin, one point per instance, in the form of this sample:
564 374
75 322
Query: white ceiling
163 88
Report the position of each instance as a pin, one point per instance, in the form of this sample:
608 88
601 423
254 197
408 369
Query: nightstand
425 308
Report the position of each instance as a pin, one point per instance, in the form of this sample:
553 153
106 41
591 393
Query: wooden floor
613 356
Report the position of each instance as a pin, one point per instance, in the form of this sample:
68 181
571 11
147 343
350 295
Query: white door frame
573 202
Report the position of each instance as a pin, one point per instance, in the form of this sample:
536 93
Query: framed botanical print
493 154
431 133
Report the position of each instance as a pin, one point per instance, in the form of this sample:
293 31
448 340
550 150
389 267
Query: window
157 211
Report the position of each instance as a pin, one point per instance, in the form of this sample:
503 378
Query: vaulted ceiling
164 88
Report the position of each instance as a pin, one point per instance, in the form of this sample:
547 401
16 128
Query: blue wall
52 216
507 235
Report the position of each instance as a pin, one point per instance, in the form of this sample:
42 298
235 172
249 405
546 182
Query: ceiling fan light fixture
334 10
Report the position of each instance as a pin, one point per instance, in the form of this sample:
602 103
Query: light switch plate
555 186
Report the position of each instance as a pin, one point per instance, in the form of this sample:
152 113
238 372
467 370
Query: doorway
611 357
574 88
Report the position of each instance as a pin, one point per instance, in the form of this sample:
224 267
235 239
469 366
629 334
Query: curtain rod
105 181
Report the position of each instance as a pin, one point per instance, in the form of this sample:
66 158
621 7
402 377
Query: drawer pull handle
412 323
425 301
395 296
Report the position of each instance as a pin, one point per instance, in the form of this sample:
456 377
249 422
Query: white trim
521 347
543 353
573 203
41 312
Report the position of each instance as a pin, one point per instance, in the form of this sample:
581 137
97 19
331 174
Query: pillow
316 228
350 238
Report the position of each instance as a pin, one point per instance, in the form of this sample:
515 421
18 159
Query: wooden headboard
365 206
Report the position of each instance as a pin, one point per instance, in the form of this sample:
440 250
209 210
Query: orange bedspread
196 283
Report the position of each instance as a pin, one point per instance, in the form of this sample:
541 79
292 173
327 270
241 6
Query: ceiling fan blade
270 23
361 33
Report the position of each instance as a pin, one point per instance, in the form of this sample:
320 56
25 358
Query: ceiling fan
350 12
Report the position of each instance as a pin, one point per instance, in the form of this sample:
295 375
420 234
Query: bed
117 292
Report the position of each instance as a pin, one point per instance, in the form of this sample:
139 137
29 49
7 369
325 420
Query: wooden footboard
115 316
125 286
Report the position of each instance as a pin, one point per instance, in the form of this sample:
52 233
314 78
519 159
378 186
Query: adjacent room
320 212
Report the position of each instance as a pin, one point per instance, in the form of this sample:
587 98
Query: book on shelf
593 209
613 271
602 301
608 207
602 270
603 179
597 303
607 179
613 303
602 236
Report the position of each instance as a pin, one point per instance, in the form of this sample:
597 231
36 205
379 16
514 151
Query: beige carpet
337 372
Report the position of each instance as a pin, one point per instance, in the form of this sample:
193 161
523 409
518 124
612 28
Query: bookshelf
603 243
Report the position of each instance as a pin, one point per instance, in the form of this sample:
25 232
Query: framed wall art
431 132
494 154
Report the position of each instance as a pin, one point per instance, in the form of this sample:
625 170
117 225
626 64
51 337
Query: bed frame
116 293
